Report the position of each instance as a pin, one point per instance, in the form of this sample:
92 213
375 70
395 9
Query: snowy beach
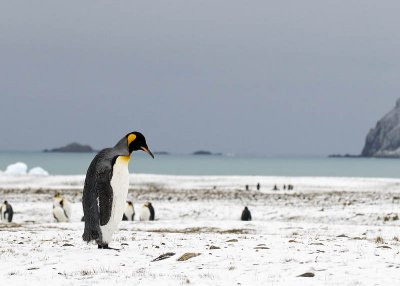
341 231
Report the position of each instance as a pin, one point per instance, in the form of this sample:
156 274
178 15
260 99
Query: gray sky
267 77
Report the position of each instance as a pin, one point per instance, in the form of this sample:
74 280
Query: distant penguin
129 213
246 215
6 212
258 186
106 189
147 212
61 208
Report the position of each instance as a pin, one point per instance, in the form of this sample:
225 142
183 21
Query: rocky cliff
384 139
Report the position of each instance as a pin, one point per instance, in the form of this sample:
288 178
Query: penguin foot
105 246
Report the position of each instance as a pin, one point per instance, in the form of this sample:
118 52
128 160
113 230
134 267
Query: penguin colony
62 211
106 189
105 192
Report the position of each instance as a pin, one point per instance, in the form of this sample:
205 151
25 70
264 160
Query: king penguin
129 213
106 189
147 212
246 215
6 212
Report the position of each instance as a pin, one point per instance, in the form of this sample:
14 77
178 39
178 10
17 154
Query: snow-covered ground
341 231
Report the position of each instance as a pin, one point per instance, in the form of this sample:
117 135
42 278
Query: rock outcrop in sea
73 147
384 139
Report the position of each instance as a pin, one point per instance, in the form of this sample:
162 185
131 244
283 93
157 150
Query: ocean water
77 163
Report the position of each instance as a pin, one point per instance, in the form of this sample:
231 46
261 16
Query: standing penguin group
106 189
62 209
146 213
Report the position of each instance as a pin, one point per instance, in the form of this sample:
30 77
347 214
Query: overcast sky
267 77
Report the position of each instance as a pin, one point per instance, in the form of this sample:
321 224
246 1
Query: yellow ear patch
131 138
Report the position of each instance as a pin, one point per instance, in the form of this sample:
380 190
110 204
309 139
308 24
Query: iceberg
21 168
18 168
38 171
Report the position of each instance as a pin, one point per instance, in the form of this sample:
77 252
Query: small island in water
203 152
161 153
72 148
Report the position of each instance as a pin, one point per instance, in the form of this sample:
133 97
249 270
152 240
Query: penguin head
129 203
57 198
136 142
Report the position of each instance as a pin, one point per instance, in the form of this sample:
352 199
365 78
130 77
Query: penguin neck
121 148
125 158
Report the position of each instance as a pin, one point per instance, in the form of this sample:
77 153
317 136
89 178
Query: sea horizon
214 165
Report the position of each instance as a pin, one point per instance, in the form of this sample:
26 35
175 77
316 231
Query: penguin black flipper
152 213
10 212
105 195
55 216
124 217
99 213
97 196
62 206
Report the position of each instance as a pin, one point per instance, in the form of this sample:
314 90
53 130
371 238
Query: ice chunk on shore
21 168
38 171
18 168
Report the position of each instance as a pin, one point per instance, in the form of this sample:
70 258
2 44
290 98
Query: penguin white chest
144 214
129 212
120 185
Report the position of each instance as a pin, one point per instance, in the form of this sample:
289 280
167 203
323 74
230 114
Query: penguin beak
147 151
